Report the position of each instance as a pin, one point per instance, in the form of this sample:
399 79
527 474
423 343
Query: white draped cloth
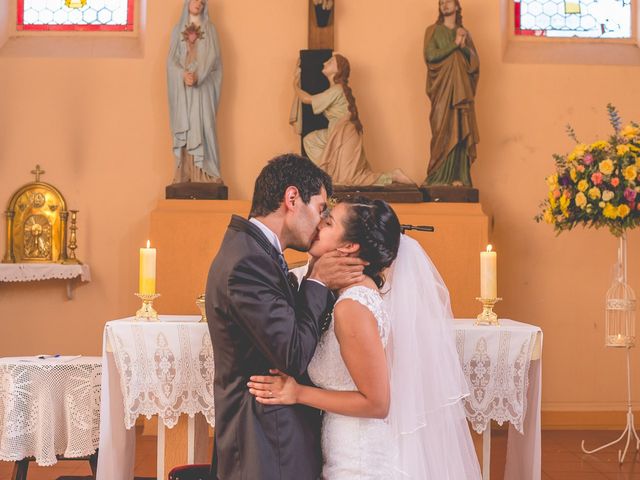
504 373
150 368
49 407
29 272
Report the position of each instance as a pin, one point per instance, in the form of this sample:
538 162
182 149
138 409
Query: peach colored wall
100 129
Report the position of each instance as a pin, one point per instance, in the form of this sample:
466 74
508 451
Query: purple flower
630 194
587 159
565 180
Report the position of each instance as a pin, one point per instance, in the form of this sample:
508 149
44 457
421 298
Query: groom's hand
337 270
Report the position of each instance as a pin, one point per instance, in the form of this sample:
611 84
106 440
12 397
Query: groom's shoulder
241 241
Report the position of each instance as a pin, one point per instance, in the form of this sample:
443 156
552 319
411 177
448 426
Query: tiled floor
562 459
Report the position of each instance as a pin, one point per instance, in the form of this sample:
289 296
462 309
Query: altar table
503 368
166 369
48 407
154 368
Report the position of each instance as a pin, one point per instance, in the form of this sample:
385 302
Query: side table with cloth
503 367
160 368
49 407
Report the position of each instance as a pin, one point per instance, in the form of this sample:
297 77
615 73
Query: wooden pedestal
394 193
197 191
447 194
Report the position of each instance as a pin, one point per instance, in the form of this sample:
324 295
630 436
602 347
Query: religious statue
338 149
453 70
323 11
194 74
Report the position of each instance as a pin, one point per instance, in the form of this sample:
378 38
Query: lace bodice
353 448
327 369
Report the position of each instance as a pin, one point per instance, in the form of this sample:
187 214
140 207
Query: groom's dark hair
282 172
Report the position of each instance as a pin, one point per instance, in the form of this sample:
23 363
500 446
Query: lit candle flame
489 248
148 243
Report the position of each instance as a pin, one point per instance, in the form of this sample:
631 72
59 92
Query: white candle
147 270
488 274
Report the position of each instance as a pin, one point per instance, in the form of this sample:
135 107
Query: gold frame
36 220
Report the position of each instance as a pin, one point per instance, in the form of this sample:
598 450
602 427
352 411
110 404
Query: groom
258 321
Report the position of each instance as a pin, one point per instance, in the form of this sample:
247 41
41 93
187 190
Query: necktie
283 264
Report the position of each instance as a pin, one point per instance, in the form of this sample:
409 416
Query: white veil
426 415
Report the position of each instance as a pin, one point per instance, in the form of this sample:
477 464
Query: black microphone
419 228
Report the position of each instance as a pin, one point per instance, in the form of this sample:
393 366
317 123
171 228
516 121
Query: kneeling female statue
338 149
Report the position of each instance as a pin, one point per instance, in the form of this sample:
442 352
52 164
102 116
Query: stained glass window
75 15
573 18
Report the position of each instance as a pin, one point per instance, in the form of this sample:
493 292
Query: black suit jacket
257 322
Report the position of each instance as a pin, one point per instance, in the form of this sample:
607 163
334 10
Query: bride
386 368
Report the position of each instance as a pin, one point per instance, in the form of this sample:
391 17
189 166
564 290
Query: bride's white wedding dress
426 435
352 448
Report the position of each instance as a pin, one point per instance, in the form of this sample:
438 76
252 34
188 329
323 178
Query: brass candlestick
488 317
201 307
73 239
147 312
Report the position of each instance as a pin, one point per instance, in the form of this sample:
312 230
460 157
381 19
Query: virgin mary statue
194 76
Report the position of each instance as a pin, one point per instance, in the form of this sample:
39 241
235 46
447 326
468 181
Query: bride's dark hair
375 227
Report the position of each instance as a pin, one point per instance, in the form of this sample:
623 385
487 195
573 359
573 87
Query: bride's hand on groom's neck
337 270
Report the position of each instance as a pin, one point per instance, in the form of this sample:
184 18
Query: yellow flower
630 173
610 211
552 181
629 131
638 162
607 195
573 174
578 152
623 210
594 192
581 200
583 185
564 203
623 149
606 166
548 216
599 145
601 204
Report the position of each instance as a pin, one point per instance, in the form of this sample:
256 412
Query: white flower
607 195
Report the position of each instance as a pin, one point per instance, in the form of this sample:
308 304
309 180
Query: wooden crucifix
321 20
319 50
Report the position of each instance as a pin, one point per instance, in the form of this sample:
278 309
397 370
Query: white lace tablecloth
503 369
150 368
49 407
30 272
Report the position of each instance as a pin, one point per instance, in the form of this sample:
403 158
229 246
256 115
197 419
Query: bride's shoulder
358 296
358 291
357 304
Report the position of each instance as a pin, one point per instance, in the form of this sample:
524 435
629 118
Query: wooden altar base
197 191
462 231
394 193
444 193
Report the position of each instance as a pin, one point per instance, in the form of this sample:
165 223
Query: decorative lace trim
165 370
497 368
27 272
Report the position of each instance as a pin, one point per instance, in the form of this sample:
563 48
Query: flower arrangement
598 184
